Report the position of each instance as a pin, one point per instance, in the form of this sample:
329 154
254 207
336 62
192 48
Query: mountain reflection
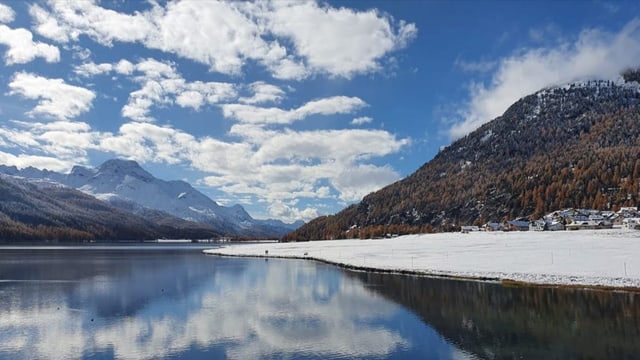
151 305
492 321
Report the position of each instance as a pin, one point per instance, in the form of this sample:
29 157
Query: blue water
176 303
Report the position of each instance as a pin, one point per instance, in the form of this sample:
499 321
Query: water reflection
492 321
181 304
154 304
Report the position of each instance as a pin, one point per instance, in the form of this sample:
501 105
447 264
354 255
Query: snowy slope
118 181
589 257
127 180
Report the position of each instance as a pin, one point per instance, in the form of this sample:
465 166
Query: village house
493 226
631 223
568 219
518 225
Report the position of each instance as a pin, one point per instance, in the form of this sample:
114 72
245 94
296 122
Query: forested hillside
56 213
571 146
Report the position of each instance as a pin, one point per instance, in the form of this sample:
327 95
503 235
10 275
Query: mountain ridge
125 184
45 211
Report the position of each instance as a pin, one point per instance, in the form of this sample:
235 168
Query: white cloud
191 99
283 166
338 42
22 161
147 142
124 67
70 19
92 69
259 115
287 213
594 54
336 146
161 85
7 14
354 182
15 138
48 26
231 36
361 120
55 97
22 49
263 93
67 141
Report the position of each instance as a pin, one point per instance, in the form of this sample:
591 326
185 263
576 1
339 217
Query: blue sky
292 109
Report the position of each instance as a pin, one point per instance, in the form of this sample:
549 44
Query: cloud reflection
269 309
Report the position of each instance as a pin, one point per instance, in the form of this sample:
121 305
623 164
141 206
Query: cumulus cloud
48 26
361 120
6 14
22 161
237 33
342 146
263 93
594 54
161 84
328 106
355 182
21 47
56 145
231 35
55 97
318 33
67 20
280 210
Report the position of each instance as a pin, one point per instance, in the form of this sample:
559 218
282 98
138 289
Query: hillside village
567 219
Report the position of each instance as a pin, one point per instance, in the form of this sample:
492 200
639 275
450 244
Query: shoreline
497 280
600 260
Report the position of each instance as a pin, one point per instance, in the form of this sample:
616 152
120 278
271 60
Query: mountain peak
124 167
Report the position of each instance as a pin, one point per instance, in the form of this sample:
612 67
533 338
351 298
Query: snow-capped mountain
43 210
125 183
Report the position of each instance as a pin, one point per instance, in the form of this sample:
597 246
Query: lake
150 302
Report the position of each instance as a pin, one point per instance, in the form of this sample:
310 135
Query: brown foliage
570 147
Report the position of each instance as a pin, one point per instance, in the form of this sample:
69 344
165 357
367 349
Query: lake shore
595 259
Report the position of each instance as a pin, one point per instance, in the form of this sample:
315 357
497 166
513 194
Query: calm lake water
174 302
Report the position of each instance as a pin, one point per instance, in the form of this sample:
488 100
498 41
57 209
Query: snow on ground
608 258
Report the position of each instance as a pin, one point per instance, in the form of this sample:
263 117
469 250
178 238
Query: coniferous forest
576 146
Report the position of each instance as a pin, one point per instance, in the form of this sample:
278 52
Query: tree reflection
498 322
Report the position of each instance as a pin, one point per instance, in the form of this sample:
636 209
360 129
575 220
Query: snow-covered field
609 258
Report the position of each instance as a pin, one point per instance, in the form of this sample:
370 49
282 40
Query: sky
293 109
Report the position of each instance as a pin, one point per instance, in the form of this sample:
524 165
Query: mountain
126 185
576 145
44 211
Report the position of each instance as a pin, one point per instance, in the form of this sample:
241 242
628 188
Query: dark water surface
174 302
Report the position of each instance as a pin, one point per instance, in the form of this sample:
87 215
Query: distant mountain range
44 211
576 145
120 188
